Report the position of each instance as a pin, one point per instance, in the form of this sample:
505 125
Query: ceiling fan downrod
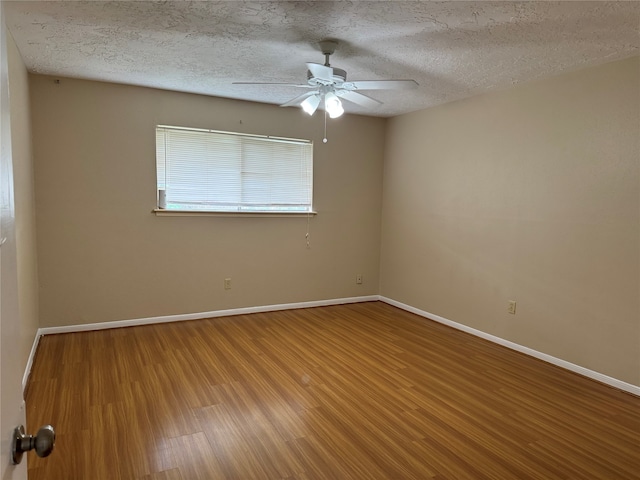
328 47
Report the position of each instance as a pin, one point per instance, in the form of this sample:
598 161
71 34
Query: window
207 170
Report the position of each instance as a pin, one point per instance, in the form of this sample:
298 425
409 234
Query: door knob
43 442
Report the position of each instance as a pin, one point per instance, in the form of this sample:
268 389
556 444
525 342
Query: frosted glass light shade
310 104
333 105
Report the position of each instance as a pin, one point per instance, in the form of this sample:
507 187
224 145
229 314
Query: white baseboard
32 354
177 318
613 382
201 315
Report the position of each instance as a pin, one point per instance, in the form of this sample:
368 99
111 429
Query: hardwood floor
361 391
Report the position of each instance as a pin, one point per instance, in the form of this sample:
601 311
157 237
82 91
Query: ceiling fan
328 85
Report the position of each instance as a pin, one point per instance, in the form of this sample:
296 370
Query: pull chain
324 140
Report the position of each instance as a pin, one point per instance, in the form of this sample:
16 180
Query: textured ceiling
452 49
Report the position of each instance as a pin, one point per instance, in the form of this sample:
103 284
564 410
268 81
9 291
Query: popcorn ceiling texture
452 49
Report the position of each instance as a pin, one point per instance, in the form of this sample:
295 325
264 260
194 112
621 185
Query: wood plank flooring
361 391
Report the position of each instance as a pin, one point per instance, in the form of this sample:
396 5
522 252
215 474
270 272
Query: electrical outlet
511 307
227 284
359 279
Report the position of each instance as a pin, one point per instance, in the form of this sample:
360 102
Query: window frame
239 208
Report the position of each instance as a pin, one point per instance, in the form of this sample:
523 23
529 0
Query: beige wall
24 201
104 256
531 194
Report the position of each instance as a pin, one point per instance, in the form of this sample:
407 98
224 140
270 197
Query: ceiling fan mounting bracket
328 47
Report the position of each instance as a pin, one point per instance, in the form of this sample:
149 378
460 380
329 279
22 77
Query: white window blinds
228 172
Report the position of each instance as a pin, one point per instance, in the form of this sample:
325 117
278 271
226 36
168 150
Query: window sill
159 212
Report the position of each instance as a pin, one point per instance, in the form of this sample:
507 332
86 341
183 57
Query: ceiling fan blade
358 98
273 83
380 85
299 99
321 72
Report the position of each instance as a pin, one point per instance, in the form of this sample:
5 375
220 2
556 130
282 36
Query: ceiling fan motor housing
339 76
